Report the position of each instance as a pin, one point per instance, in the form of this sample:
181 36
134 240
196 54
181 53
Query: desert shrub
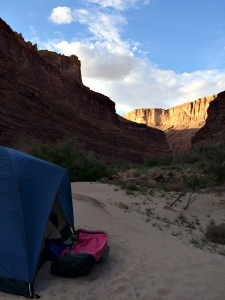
132 187
164 187
181 218
216 233
211 158
82 165
176 186
179 167
137 173
123 205
122 184
152 162
195 182
158 161
189 157
61 154
166 161
128 186
149 212
200 165
216 160
218 170
89 168
170 174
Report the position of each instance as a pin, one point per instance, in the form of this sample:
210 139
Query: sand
151 257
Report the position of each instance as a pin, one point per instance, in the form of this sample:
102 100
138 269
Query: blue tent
29 188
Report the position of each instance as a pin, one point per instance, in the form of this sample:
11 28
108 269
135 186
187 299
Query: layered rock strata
43 97
214 129
180 123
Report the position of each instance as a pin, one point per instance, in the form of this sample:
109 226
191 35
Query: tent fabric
28 187
16 287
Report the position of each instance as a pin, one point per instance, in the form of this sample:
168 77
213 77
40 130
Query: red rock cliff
69 67
42 96
179 123
214 129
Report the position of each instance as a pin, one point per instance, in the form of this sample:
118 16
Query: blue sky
140 53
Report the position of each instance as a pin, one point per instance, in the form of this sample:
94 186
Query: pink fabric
93 242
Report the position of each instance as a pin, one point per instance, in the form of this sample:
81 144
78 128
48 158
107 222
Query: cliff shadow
179 140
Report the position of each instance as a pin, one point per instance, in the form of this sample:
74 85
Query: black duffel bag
73 265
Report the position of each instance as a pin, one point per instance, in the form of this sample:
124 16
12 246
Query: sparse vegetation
123 205
175 233
196 242
178 180
199 167
82 165
181 218
195 182
216 233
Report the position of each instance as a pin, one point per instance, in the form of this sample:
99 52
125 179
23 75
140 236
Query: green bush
216 233
152 162
132 187
137 173
158 161
188 157
82 165
216 160
196 182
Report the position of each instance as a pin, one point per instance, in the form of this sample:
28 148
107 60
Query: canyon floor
155 253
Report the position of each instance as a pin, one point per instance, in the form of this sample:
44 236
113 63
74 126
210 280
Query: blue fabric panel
39 182
65 199
12 238
27 210
54 250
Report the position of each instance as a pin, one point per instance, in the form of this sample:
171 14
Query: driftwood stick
190 200
181 195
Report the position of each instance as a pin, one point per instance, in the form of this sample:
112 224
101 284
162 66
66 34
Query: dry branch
181 195
190 200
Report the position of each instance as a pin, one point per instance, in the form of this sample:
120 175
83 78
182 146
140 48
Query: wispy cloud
32 30
110 65
118 4
104 27
136 83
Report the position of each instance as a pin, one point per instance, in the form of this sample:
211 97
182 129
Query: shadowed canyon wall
214 129
42 96
180 123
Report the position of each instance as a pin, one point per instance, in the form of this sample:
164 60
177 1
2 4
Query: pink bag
93 242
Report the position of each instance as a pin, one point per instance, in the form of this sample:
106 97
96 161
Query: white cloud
136 83
61 15
33 30
109 65
105 28
116 4
95 62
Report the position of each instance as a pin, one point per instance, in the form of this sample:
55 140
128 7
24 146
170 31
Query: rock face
43 97
69 67
180 123
214 129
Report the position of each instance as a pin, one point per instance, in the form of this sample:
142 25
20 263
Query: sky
140 53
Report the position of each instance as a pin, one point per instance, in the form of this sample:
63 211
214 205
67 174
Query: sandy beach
155 253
